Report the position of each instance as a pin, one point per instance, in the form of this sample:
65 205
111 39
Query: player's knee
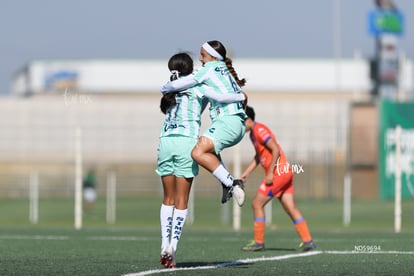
256 204
195 154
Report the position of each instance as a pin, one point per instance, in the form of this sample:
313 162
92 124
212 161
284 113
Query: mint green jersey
184 119
217 76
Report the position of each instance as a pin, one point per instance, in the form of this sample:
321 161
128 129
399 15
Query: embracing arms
186 82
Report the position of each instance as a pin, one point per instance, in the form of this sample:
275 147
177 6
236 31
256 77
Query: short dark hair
250 112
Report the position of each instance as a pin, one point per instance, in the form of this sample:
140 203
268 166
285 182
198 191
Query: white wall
100 76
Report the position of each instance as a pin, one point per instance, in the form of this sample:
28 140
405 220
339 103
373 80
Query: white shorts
89 194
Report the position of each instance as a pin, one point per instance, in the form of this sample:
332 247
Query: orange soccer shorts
282 183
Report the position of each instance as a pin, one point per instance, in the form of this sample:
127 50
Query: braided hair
219 47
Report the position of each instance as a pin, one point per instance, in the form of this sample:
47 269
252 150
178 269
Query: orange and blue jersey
282 172
260 135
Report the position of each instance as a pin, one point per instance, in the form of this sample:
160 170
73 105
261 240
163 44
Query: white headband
211 51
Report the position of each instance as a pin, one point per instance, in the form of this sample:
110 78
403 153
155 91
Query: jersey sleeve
223 98
263 134
179 85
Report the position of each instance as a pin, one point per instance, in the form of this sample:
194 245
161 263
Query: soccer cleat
238 191
163 256
169 258
227 193
306 246
253 246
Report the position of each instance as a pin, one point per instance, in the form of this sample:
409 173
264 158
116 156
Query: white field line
33 237
219 265
264 259
238 262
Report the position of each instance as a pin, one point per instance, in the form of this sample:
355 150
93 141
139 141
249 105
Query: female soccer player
179 134
278 182
227 128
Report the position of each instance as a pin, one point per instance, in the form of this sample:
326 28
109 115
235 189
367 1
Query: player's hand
269 180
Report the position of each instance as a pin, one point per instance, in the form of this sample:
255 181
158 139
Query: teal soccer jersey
184 118
215 75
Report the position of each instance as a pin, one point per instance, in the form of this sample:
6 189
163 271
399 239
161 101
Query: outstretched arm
253 164
224 98
179 84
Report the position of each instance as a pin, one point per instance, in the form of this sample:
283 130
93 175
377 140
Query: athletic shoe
227 193
170 258
238 192
163 256
306 246
253 246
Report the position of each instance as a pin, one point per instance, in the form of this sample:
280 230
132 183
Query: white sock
177 226
166 219
223 175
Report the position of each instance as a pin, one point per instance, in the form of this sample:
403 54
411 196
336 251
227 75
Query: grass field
208 247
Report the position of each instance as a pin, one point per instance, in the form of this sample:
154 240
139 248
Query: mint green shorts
226 131
174 156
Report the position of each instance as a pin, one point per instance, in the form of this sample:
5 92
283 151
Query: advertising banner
391 115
